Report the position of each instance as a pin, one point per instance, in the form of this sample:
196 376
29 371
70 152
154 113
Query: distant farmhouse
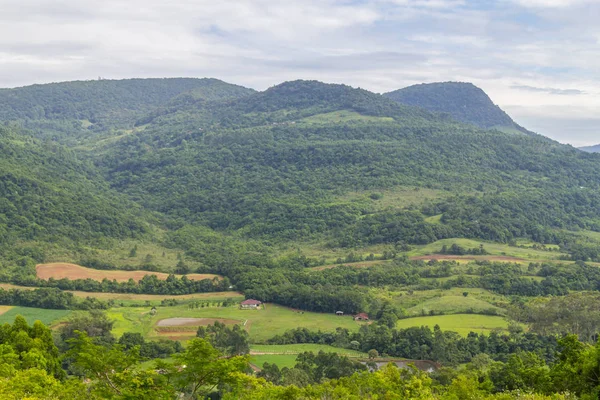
250 304
361 317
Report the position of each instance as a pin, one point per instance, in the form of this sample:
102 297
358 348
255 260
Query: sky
537 59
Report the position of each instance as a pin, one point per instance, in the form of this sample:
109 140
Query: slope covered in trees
275 164
465 102
63 110
47 194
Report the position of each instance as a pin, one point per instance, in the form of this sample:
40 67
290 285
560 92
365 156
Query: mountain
62 111
48 194
591 149
465 102
300 160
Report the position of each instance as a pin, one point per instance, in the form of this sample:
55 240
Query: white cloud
504 46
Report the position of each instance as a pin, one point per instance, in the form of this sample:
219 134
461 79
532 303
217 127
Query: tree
114 371
230 341
201 368
373 354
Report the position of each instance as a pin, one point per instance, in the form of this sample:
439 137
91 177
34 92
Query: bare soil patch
4 309
168 322
74 271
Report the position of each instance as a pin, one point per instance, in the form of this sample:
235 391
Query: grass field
261 324
341 116
300 348
460 323
153 299
452 305
33 314
282 360
495 249
74 271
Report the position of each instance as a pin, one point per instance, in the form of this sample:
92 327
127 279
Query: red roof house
250 303
361 317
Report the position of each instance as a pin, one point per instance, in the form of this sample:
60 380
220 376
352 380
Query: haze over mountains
301 160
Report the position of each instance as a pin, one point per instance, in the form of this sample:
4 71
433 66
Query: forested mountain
48 194
465 102
277 163
62 110
591 149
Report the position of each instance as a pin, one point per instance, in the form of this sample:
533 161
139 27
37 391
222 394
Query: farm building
339 313
361 317
250 303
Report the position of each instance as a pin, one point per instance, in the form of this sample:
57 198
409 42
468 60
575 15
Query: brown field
185 328
74 271
169 322
4 309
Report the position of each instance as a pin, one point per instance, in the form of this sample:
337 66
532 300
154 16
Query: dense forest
465 102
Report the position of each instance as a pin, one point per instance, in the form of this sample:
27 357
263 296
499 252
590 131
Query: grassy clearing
435 298
341 117
300 348
453 305
399 197
460 323
282 360
33 314
128 299
261 324
165 258
495 249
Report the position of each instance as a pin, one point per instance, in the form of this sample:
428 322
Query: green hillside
47 194
74 110
278 164
465 102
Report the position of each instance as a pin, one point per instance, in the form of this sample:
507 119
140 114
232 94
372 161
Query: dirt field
194 321
74 271
179 328
4 309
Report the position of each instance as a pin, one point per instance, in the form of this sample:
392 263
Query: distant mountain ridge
591 149
465 102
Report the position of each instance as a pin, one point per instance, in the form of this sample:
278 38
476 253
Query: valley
376 227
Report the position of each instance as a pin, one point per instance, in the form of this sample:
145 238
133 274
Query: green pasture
413 299
300 348
460 323
452 305
495 249
341 116
33 314
261 324
282 360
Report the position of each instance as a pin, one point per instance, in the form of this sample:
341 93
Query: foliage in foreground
30 368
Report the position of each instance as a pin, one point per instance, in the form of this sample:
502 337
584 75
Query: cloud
549 90
551 3
528 55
